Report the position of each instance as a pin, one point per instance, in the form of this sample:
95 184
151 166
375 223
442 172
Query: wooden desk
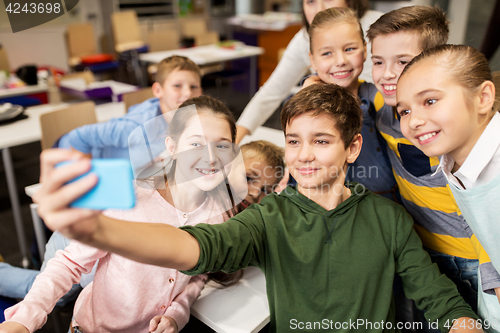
26 131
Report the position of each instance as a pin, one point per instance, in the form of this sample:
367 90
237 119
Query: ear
354 148
157 90
487 97
170 144
311 58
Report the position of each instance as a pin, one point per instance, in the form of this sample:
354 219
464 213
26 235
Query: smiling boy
328 251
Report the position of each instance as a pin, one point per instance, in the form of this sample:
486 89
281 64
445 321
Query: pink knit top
125 295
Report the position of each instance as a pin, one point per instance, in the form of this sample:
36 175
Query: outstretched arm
150 243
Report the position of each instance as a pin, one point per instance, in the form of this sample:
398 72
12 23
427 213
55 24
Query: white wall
387 6
40 46
45 44
457 12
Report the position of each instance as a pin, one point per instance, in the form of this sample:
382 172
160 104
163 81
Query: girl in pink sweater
125 295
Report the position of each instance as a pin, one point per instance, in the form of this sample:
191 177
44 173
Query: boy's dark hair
331 99
331 16
428 22
359 6
168 65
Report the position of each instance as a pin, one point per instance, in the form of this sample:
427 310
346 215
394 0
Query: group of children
330 249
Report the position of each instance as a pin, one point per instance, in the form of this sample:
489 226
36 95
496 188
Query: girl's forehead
210 126
422 67
350 26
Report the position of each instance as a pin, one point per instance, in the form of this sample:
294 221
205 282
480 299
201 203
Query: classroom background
115 38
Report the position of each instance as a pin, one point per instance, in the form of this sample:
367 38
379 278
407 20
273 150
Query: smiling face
261 178
315 153
203 149
390 54
313 7
435 112
338 54
179 86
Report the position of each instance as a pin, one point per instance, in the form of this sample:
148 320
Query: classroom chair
194 31
56 123
192 27
137 97
82 50
128 42
4 60
206 38
163 40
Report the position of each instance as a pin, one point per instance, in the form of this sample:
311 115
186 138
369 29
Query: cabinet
272 42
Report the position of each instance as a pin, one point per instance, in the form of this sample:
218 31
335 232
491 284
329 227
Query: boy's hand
313 79
497 291
54 196
12 327
163 324
283 182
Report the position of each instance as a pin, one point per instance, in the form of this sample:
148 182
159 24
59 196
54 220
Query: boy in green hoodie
329 250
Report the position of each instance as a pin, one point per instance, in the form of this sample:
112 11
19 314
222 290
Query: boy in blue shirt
329 251
177 80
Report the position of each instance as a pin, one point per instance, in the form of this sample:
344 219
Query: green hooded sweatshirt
331 270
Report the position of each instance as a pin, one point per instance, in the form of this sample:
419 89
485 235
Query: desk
241 308
211 54
27 90
26 131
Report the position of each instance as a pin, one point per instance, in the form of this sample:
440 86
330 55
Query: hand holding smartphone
114 189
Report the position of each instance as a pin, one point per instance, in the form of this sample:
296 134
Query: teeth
390 88
426 136
341 73
207 172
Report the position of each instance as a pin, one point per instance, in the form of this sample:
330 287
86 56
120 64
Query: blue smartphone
114 189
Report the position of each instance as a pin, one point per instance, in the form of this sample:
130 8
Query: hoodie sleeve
61 273
422 281
230 246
